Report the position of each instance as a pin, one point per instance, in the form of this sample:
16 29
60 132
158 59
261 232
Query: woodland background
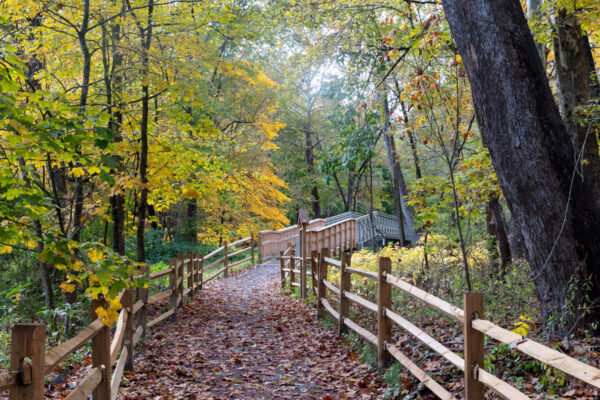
134 129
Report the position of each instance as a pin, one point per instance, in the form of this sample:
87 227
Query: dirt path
241 339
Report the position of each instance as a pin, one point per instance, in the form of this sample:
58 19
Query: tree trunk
574 83
413 144
497 228
143 207
522 129
114 82
310 162
191 232
534 11
395 169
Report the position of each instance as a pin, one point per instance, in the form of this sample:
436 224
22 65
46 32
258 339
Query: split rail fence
471 317
112 352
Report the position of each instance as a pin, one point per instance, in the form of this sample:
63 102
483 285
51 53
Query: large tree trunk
575 83
113 82
143 208
521 126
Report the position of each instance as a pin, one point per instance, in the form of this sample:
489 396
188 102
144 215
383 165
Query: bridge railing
471 318
272 242
112 354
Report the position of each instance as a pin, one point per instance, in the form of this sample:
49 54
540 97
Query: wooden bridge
347 230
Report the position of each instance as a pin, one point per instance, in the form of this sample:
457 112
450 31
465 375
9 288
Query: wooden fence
475 327
112 353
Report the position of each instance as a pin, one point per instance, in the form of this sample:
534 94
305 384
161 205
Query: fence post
129 327
304 256
252 246
190 270
28 341
201 278
384 300
344 286
314 269
259 240
144 297
181 274
292 267
281 266
474 350
225 260
101 354
196 269
173 287
322 276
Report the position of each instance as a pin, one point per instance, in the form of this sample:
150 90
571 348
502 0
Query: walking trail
240 338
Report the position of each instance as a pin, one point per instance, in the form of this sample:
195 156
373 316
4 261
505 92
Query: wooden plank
214 276
418 373
219 261
369 305
160 318
212 253
187 291
241 241
138 334
297 284
370 337
239 251
329 308
296 271
159 296
240 262
159 274
362 272
87 385
8 379
332 261
138 306
63 350
551 357
118 374
117 341
428 298
331 287
474 351
286 269
499 386
426 339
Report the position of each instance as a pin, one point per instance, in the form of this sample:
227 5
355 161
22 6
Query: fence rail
471 318
112 354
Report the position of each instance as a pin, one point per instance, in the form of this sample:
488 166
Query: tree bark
497 228
522 129
114 82
396 172
310 163
143 207
191 232
575 84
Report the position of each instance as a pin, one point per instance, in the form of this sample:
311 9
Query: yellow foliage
67 287
109 315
